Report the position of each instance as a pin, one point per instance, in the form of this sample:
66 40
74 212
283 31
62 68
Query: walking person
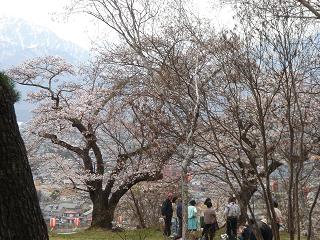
232 213
167 212
210 221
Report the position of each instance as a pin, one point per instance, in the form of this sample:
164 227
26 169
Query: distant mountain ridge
21 40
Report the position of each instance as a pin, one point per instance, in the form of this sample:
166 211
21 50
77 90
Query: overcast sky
80 29
44 13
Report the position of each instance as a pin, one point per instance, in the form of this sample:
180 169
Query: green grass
285 236
99 234
149 234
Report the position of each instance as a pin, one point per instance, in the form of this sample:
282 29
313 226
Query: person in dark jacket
250 232
265 230
167 212
247 233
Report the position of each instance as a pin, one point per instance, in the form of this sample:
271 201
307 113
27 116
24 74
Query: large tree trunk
103 213
20 214
102 217
105 201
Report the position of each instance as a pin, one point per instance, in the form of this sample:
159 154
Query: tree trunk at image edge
20 214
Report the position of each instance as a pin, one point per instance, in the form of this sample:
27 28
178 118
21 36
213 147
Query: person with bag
232 213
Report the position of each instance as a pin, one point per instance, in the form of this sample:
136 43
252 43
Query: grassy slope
129 235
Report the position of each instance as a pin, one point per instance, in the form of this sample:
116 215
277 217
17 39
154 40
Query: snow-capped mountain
21 40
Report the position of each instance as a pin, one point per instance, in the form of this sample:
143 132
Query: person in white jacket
232 213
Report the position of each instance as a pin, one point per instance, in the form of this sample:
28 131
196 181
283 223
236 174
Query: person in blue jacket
192 216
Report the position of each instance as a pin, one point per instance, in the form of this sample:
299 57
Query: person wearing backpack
167 212
232 213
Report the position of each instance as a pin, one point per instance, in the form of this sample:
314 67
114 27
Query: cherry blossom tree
272 80
171 87
164 45
107 128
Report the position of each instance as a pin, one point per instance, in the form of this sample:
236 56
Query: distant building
65 211
70 215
